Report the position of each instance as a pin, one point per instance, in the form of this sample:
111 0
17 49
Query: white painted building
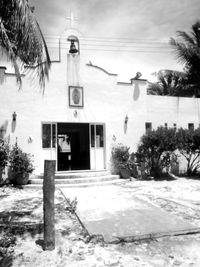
83 112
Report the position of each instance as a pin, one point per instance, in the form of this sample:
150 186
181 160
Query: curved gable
101 69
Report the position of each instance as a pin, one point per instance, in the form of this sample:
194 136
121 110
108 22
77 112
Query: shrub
156 150
123 162
119 157
188 144
20 165
4 153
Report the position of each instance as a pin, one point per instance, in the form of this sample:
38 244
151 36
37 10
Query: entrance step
79 179
74 175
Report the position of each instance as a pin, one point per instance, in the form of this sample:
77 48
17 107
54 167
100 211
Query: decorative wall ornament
76 96
114 138
75 113
126 119
30 139
14 116
125 124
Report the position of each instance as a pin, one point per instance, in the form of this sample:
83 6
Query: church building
83 112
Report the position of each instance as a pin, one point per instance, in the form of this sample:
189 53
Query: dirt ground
21 217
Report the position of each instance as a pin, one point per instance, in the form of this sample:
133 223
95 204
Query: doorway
73 146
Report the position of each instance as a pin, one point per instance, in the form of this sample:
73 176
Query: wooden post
48 204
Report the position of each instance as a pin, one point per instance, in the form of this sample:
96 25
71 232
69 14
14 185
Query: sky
122 36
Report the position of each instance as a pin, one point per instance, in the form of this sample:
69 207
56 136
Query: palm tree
21 39
187 48
169 83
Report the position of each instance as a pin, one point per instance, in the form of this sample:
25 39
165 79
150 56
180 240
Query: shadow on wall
13 126
125 128
3 129
136 93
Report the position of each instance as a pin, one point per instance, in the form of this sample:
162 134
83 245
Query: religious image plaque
75 96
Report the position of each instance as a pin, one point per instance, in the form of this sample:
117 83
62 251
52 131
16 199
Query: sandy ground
180 197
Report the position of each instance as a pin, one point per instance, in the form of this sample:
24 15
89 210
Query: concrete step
78 174
85 184
80 180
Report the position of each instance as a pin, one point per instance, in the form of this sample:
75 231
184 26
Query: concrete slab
118 215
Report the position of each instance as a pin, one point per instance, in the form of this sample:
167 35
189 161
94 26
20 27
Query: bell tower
74 45
69 38
73 61
71 47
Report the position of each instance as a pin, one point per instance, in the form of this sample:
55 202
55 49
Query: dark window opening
191 126
99 136
48 135
92 136
148 127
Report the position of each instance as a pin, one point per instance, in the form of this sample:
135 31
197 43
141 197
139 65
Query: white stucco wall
105 101
179 110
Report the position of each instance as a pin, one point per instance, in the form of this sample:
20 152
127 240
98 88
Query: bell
73 49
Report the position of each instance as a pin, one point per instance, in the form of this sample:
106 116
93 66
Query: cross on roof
72 19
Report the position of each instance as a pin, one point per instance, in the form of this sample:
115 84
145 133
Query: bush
122 161
20 166
188 144
156 150
119 157
4 155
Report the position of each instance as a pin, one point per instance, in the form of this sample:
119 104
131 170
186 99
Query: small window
99 135
148 127
174 125
53 135
48 135
191 126
92 136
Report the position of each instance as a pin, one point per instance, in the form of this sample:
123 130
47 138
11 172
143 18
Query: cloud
156 20
140 19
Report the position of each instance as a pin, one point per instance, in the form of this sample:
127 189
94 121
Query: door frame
95 148
53 151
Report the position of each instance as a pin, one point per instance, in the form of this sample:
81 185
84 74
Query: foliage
4 153
187 49
20 162
186 83
21 38
188 144
120 156
156 150
72 205
123 162
6 261
169 83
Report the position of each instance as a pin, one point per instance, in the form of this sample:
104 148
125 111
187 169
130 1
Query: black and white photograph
99 133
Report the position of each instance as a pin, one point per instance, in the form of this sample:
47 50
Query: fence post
48 204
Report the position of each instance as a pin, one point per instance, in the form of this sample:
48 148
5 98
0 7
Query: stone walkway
117 214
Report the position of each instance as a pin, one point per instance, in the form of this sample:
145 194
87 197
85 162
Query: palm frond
8 49
170 83
183 53
187 38
25 36
187 51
